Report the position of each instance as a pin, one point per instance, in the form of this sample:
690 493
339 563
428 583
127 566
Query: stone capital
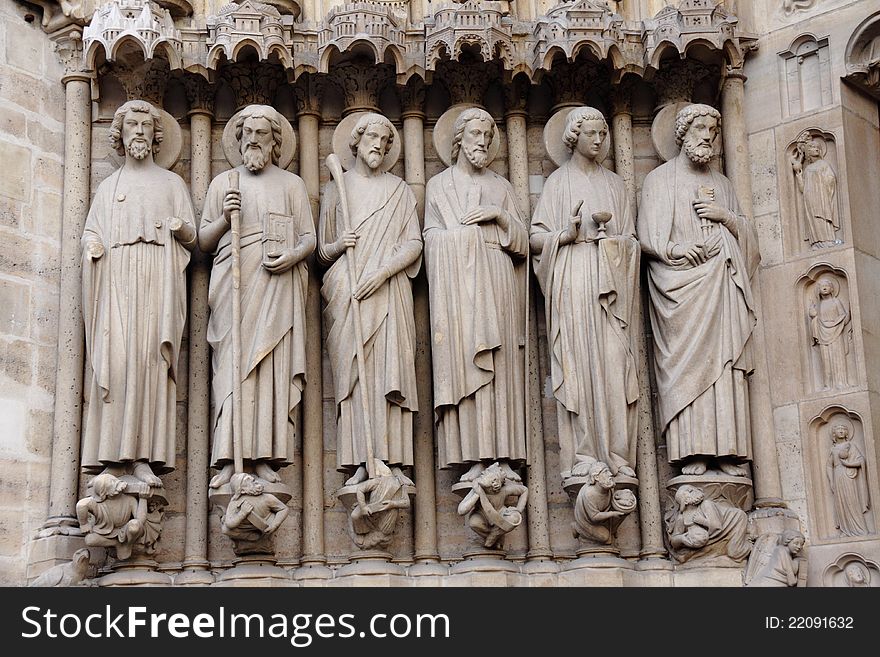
199 93
253 83
466 83
361 84
309 92
675 82
146 81
69 48
412 97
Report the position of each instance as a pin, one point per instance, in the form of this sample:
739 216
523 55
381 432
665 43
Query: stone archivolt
392 35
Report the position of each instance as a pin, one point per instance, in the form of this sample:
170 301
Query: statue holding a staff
258 224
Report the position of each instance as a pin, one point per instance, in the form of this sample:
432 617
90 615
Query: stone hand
94 250
574 221
713 212
281 263
694 253
231 203
369 283
346 241
483 214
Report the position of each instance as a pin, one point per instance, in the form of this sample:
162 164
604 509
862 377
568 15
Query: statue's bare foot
626 471
475 471
223 477
358 477
144 472
695 467
732 469
402 478
264 471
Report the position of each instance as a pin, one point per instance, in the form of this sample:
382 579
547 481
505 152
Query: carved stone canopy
863 56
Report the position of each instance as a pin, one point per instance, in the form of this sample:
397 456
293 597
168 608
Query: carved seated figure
252 513
113 517
697 526
485 506
372 523
600 508
774 560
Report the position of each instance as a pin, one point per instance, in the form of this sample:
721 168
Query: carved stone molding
482 26
142 22
377 27
574 26
863 56
254 83
258 25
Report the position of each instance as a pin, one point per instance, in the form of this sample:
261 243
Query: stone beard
272 312
383 216
589 290
477 299
702 313
134 309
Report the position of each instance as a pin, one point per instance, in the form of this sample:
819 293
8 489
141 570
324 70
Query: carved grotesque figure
486 507
372 521
600 507
252 514
702 251
590 283
698 526
775 560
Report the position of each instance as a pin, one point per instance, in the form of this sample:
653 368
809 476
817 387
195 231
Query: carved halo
663 131
232 148
342 137
844 419
813 134
172 142
443 134
556 149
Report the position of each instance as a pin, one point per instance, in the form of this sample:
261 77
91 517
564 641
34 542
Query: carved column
198 450
426 555
765 464
650 516
64 480
313 559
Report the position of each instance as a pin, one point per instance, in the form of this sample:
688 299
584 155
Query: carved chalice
601 218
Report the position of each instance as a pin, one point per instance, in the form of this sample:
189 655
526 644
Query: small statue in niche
817 183
372 523
857 575
252 513
831 332
849 487
600 506
486 505
115 515
65 574
697 526
775 560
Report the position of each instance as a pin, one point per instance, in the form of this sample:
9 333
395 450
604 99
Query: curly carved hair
262 112
573 124
361 127
686 116
119 116
458 128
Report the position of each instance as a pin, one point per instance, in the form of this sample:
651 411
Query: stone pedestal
255 570
137 571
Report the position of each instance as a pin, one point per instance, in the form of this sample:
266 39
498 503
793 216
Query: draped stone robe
589 290
478 321
383 214
273 334
701 317
134 306
820 202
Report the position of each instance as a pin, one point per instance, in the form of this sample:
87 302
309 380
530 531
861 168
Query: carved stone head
696 127
371 139
585 131
794 540
473 132
243 483
106 485
137 129
258 131
687 496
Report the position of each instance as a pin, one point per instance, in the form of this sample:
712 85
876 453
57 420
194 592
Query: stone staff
335 167
237 427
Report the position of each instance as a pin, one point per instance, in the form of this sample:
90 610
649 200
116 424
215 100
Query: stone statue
488 508
115 515
277 234
65 574
817 184
590 283
381 234
831 331
372 522
849 486
134 258
775 560
600 507
697 526
474 233
702 251
857 575
252 514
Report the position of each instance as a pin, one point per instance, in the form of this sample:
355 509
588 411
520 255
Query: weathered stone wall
31 160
